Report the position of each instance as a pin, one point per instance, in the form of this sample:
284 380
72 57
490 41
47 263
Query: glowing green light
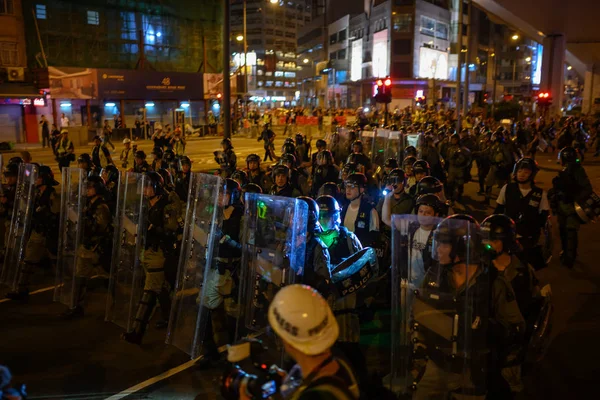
262 210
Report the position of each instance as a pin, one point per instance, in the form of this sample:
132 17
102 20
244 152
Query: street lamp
515 37
528 59
274 1
569 68
306 61
239 38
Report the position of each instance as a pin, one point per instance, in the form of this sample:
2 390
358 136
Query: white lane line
34 292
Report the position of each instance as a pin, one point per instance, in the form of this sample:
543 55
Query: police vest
64 147
178 147
99 156
342 247
362 225
524 210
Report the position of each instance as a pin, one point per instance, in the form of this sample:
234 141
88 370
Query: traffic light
421 101
544 99
383 92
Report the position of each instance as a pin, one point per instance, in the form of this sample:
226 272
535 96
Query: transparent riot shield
440 310
414 139
20 226
73 200
339 145
368 141
189 314
380 143
126 273
273 250
393 146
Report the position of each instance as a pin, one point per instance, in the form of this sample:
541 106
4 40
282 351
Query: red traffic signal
388 82
379 82
543 95
219 95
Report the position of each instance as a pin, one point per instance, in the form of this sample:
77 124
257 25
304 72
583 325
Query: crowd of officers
351 198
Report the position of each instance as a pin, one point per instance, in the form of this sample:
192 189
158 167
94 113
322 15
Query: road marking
34 292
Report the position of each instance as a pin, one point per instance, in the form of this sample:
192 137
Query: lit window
441 30
6 7
402 23
93 18
427 26
40 11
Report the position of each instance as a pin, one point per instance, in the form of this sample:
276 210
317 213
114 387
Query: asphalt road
86 359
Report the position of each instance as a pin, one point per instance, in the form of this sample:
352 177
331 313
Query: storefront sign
39 102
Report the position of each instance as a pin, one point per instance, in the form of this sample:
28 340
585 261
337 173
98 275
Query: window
441 30
427 26
332 56
278 33
341 54
333 38
402 23
40 11
6 7
342 35
402 47
93 18
9 54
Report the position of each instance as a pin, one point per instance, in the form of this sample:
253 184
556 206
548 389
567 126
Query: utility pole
245 65
467 59
226 106
459 69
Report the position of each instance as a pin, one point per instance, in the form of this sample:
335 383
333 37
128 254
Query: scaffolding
176 36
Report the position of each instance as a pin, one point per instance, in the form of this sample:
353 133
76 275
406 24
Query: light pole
245 65
514 38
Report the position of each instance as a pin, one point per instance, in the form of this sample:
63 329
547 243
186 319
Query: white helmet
302 318
126 140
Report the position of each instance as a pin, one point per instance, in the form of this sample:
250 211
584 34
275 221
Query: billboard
536 60
129 84
73 83
356 60
433 63
380 54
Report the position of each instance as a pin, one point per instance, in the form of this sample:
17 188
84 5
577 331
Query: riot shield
273 250
440 310
368 140
393 146
73 200
126 273
20 225
414 139
380 144
189 314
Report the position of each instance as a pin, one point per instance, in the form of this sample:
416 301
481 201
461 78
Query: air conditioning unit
15 74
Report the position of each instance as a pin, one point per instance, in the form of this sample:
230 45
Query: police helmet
526 163
421 167
329 208
252 158
430 200
455 136
499 227
111 172
98 184
46 175
299 139
85 158
15 160
391 163
12 169
156 181
326 156
227 142
234 189
568 156
321 144
252 188
429 184
140 154
288 148
396 176
313 214
168 155
408 162
280 170
288 158
288 140
358 143
463 234
329 189
185 160
350 168
410 151
240 176
357 179
97 138
158 152
167 177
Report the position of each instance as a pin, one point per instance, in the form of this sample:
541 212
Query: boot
144 312
80 292
73 313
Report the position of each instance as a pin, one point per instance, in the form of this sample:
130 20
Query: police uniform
286 191
459 159
141 168
260 178
227 160
182 185
362 223
158 164
8 195
323 174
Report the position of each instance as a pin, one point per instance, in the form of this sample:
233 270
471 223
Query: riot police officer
407 166
110 175
140 166
226 159
459 160
420 170
382 173
95 252
324 172
359 157
281 182
255 174
570 186
42 243
317 261
289 160
502 160
359 215
158 162
182 179
7 198
161 229
84 161
397 201
431 185
526 204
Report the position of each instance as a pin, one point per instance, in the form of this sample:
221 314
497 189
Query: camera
261 380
